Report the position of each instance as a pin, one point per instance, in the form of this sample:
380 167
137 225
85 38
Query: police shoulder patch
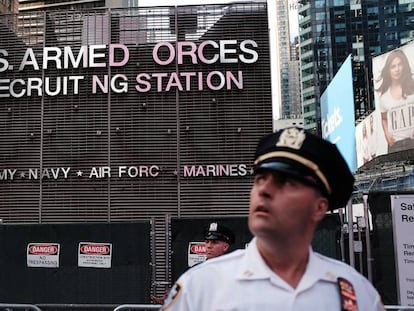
348 296
172 296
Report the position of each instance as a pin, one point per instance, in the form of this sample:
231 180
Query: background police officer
218 239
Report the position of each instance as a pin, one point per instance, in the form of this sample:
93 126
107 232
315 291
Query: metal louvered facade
163 137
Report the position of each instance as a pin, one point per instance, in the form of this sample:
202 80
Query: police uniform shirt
242 281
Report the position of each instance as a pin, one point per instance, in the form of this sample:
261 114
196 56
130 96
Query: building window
390 9
320 16
340 26
391 22
319 4
340 39
339 2
391 36
372 11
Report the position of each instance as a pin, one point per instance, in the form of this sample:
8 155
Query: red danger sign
199 249
43 249
95 249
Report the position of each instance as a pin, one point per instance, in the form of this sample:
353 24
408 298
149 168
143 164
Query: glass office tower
330 30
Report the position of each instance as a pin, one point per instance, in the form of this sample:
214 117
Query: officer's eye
282 179
279 179
287 181
259 177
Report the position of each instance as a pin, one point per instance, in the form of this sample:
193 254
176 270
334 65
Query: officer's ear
321 207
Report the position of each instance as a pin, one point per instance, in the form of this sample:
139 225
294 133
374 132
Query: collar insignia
247 273
331 276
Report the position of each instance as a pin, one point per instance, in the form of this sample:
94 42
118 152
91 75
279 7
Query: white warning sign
95 255
44 255
196 253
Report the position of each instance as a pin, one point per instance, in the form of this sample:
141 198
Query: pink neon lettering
155 53
191 52
201 52
112 61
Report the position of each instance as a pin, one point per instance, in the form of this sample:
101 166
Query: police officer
298 177
218 239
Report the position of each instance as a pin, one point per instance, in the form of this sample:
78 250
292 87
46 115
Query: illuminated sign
150 171
337 113
118 55
394 113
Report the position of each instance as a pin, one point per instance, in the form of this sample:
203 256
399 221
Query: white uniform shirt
242 281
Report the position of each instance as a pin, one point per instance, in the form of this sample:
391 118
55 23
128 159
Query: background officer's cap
308 158
219 232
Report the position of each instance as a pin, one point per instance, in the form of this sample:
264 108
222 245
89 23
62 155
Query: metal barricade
137 307
27 307
399 308
19 306
75 307
157 307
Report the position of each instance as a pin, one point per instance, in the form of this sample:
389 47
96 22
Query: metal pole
351 233
342 243
361 265
367 238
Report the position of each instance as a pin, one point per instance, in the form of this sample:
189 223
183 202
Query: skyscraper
288 63
331 30
8 6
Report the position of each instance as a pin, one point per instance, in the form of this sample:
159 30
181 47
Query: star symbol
79 173
22 175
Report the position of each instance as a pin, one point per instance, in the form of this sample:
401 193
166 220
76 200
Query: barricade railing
400 308
89 307
19 306
137 307
76 306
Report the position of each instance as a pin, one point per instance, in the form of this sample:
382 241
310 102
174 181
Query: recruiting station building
116 124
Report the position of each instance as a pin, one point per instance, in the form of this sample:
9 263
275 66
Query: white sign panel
95 255
196 253
44 255
403 223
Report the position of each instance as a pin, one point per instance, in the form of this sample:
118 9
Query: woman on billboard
396 102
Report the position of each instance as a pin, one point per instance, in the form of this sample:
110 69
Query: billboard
394 99
367 138
337 113
403 218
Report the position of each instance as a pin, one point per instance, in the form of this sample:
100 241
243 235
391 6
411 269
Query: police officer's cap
219 232
308 158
